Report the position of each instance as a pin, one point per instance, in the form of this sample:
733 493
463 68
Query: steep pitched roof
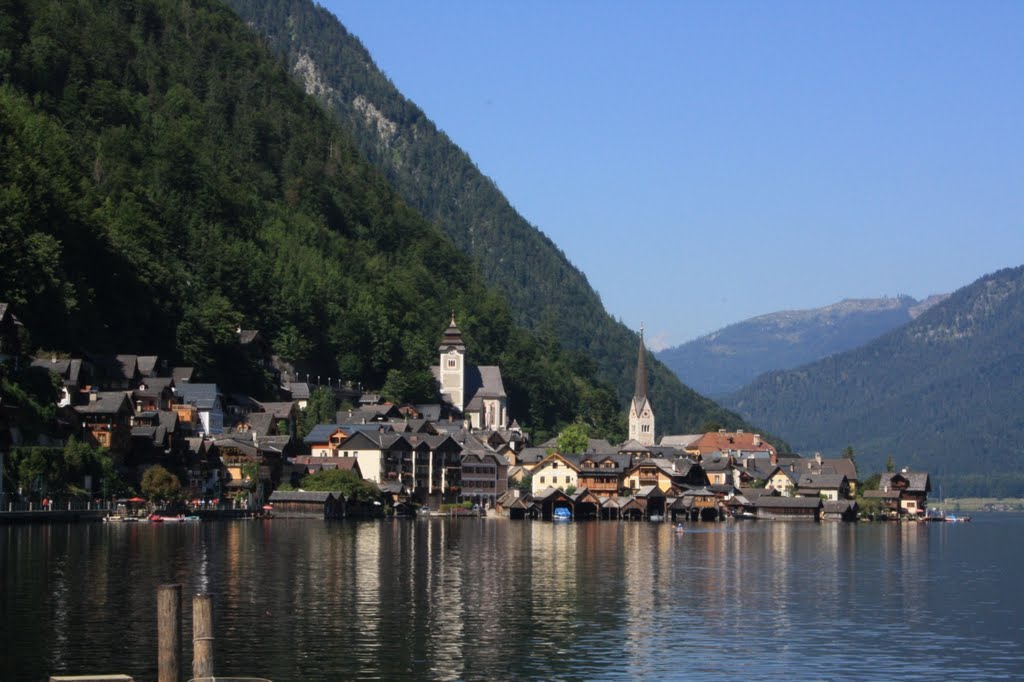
106 402
640 386
917 481
452 338
203 396
182 375
482 382
147 365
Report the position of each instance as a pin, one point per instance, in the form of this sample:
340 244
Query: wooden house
913 488
556 471
305 504
602 474
797 508
107 420
839 510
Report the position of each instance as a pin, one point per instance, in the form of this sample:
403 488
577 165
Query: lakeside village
463 455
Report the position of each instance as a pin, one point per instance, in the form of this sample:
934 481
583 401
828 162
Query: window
541 479
451 363
566 479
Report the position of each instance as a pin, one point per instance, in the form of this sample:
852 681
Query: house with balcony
556 471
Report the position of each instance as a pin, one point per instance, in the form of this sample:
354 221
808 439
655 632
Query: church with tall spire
641 414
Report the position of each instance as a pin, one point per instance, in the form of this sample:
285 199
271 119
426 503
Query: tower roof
640 392
452 338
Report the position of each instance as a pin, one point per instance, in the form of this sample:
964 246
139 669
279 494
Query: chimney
721 430
774 458
817 457
757 439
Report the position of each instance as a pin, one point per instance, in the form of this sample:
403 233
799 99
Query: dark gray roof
821 481
106 402
203 396
621 461
298 390
241 442
157 384
168 419
918 481
147 365
144 432
531 455
280 410
260 422
182 375
430 411
321 432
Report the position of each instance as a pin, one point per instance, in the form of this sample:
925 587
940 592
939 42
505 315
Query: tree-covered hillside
164 182
943 393
433 175
725 361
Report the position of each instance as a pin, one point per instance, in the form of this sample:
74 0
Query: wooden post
202 636
168 618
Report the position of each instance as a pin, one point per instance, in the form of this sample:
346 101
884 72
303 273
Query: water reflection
472 599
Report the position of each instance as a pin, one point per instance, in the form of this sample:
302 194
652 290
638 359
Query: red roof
723 441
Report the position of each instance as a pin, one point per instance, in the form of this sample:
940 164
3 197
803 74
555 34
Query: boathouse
806 508
307 504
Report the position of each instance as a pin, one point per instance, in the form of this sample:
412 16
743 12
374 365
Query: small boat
561 514
680 529
953 518
157 517
657 518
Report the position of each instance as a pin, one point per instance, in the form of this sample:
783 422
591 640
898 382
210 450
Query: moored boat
561 514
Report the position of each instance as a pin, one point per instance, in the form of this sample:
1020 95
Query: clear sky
706 162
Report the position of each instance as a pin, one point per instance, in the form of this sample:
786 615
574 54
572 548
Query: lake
492 598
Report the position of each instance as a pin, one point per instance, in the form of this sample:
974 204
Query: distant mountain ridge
432 174
943 393
726 360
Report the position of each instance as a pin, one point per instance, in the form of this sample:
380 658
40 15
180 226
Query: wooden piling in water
168 618
202 636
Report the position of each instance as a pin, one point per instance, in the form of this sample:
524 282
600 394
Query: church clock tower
453 366
641 414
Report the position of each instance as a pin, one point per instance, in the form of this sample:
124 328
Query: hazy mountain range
728 359
944 392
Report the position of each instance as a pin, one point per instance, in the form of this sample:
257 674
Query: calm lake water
493 598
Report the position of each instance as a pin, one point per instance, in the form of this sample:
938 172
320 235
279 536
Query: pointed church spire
641 370
641 413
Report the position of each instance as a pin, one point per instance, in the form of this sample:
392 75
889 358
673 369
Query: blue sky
706 162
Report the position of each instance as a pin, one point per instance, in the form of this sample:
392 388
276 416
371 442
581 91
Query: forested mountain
943 393
164 182
728 359
433 175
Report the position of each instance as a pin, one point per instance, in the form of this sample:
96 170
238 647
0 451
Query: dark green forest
942 393
164 182
546 293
